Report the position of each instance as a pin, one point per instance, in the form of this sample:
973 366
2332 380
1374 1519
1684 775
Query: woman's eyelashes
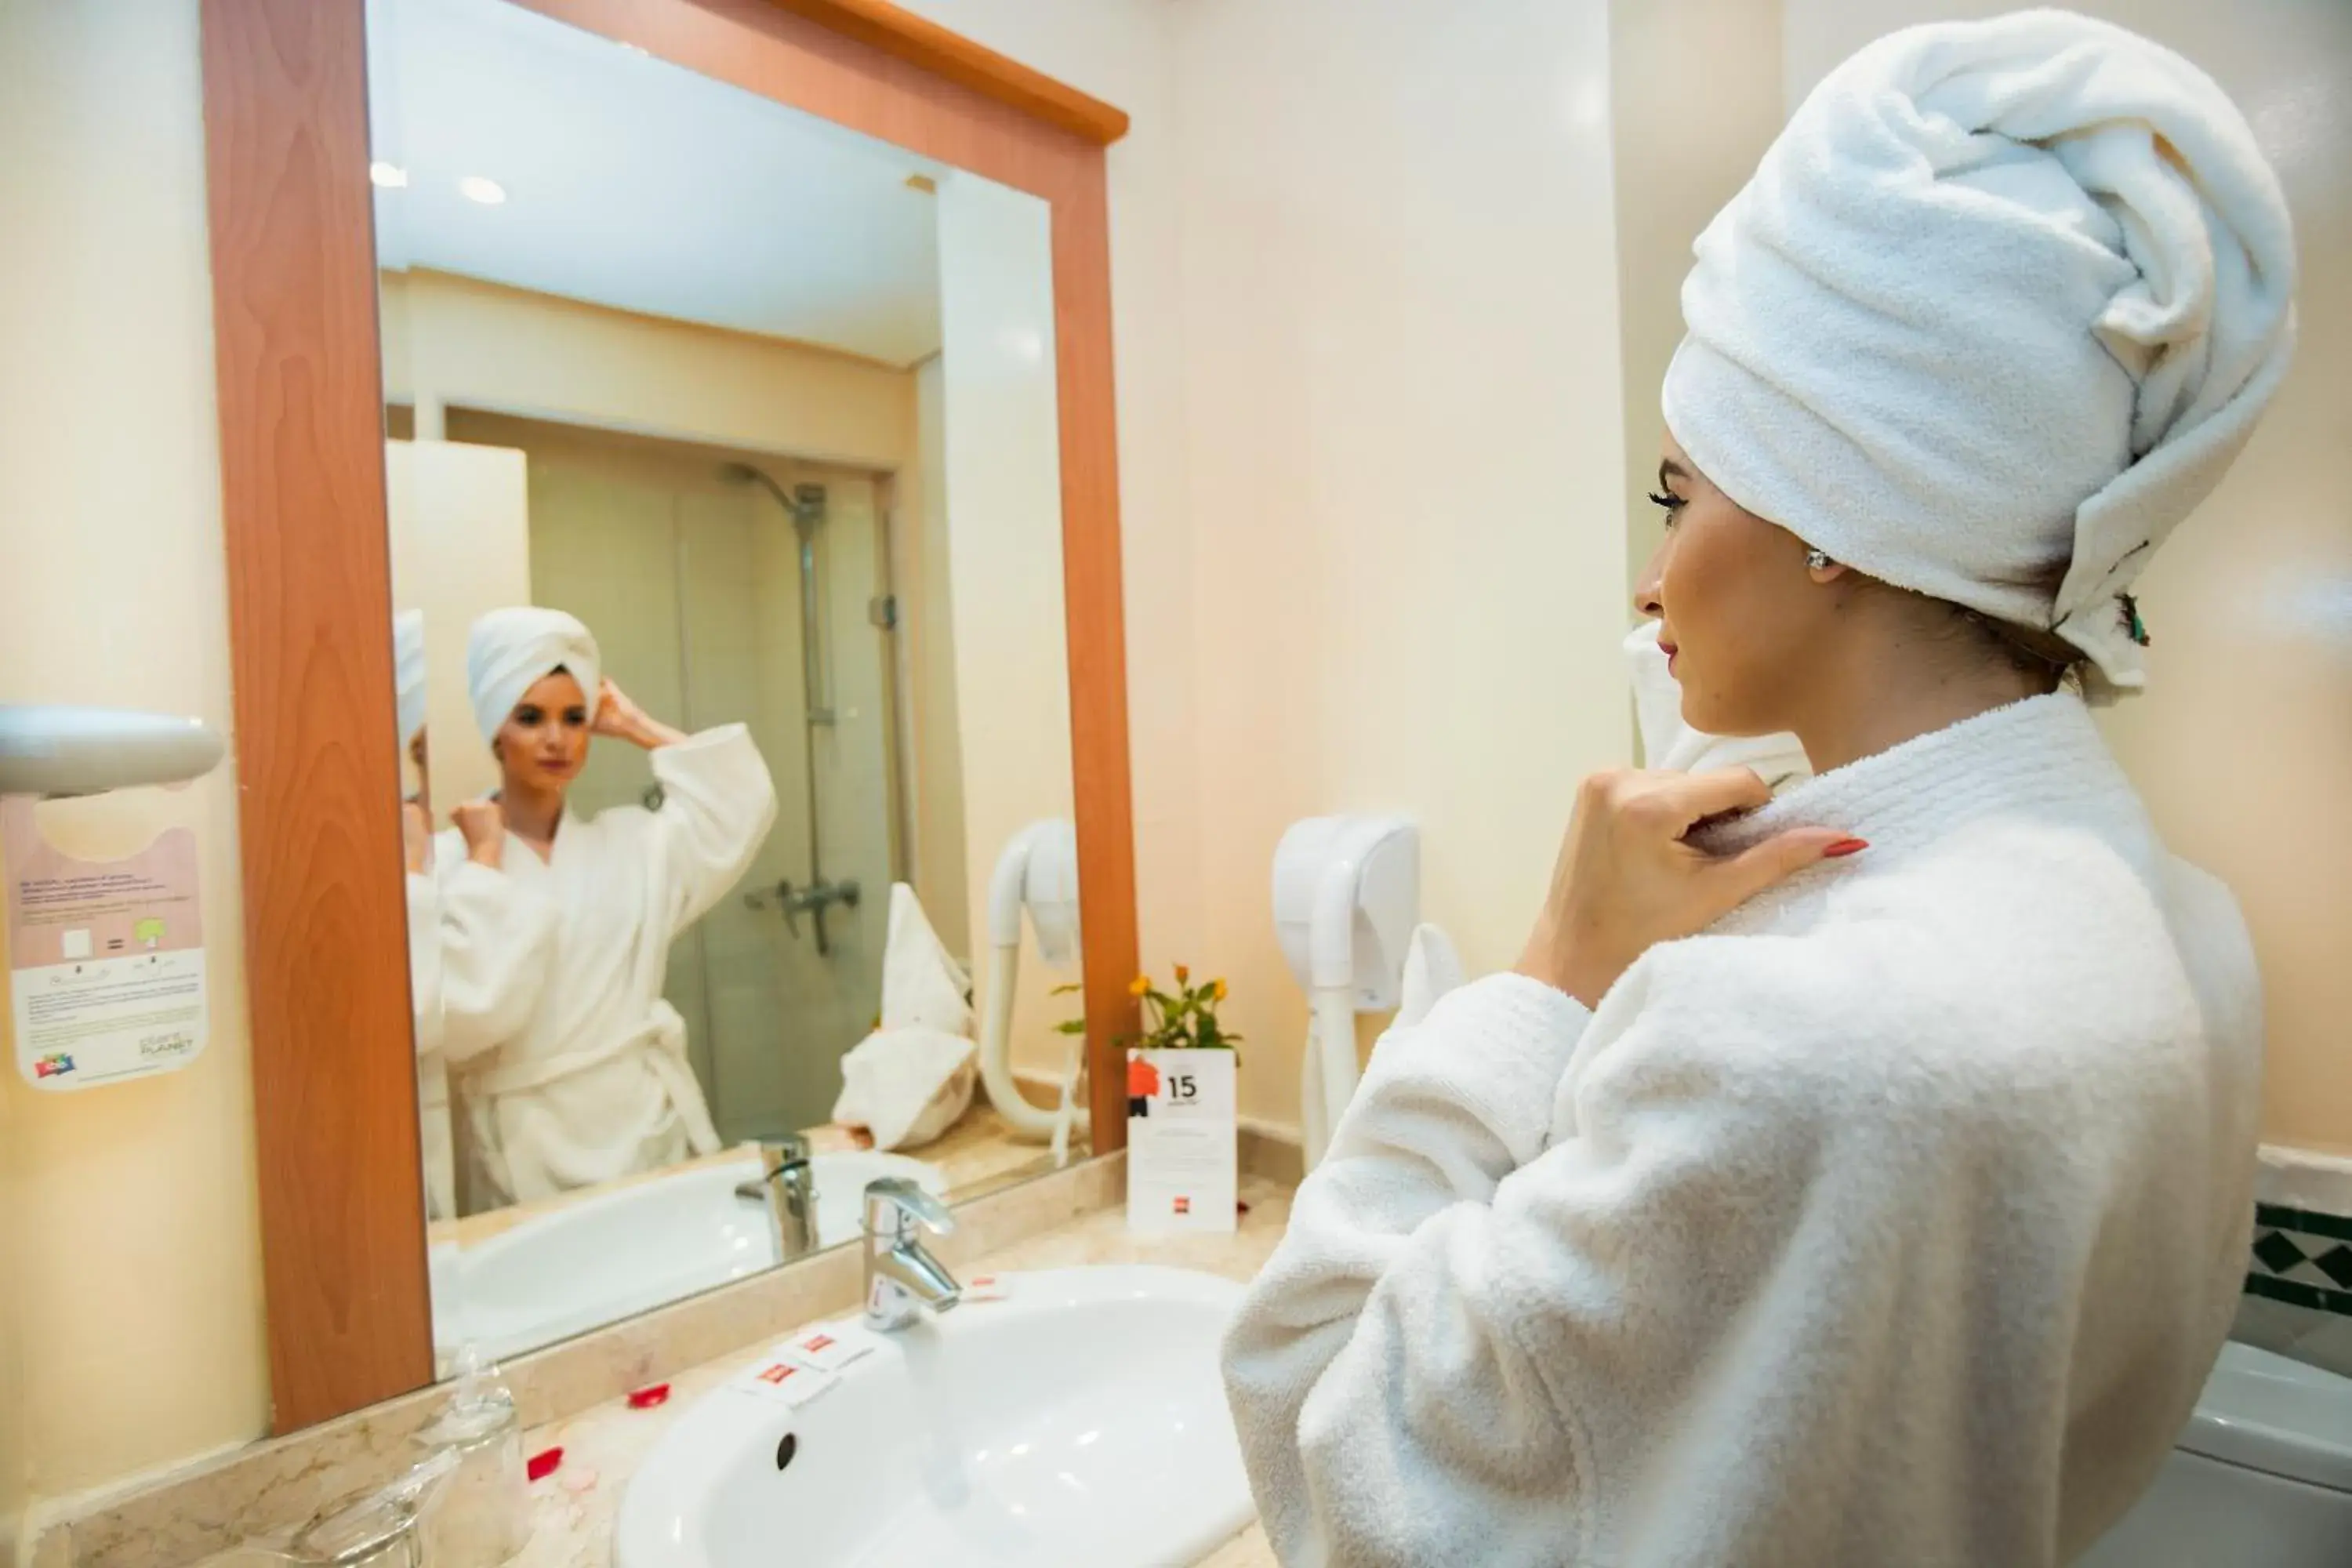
575 717
529 716
1669 504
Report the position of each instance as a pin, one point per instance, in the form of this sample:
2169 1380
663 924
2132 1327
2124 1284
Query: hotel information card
1181 1140
106 958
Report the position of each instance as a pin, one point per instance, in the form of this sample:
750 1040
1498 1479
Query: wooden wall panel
901 34
310 615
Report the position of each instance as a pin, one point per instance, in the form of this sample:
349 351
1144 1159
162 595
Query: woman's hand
624 720
1625 879
484 829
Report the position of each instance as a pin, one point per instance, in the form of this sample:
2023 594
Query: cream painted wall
454 340
1679 154
132 1278
1403 437
2242 744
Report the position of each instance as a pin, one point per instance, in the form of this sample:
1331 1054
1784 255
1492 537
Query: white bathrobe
593 1084
1894 1221
479 942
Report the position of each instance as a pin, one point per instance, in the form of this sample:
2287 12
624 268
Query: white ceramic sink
635 1248
1078 1421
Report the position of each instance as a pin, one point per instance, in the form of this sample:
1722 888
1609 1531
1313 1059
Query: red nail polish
541 1466
647 1398
1845 847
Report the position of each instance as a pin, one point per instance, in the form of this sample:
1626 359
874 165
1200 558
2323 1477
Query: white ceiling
634 184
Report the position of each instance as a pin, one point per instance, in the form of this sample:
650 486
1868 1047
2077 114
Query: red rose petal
538 1466
649 1398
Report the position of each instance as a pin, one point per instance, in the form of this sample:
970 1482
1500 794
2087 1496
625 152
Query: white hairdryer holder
1346 894
1038 873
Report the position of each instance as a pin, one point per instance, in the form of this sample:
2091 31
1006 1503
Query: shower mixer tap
812 900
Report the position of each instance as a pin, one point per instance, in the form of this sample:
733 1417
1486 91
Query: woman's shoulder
1939 974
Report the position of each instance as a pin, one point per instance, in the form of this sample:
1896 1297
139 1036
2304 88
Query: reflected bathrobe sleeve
1554 1256
496 941
424 959
718 804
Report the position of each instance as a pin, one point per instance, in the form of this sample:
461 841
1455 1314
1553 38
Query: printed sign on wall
1182 1144
105 957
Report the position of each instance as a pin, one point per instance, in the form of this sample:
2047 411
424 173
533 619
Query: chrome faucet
901 1279
787 1184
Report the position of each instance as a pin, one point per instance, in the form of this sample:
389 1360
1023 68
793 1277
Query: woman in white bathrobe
1861 1176
575 1070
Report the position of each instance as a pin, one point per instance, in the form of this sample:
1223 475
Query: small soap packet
987 1288
829 1347
789 1383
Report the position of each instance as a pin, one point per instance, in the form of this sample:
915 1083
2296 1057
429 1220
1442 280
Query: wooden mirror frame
302 481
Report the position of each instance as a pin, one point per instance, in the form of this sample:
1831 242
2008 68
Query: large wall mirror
752 703
725 517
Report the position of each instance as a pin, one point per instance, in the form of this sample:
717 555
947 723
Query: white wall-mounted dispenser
1347 892
57 752
1038 872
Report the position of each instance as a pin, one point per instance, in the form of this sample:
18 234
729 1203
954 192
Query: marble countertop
575 1505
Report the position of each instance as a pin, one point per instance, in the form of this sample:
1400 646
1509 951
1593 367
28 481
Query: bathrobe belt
663 1034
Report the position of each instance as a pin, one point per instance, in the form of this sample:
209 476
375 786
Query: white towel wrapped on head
913 1077
408 672
1999 308
512 650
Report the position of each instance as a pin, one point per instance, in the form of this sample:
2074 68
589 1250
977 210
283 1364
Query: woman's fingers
1741 877
1695 798
1628 878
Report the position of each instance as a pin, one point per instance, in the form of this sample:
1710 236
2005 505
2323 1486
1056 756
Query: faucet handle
785 1150
892 1201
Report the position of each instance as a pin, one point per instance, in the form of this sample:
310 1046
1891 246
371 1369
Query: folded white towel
1999 308
910 1079
510 650
921 984
1670 744
907 1085
408 672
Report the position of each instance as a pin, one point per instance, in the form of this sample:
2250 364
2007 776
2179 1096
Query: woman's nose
1649 601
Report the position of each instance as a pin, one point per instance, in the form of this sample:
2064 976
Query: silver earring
1819 559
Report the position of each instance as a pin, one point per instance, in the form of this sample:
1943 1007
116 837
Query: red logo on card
816 1343
777 1373
1183 1205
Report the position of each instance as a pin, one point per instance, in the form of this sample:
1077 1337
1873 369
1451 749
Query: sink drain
786 1449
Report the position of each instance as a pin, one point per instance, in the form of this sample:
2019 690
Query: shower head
804 504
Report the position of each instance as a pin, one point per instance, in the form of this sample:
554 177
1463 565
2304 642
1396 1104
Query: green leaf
1072 988
1073 1026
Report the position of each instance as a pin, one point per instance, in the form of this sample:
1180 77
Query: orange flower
1183 975
1140 986
1217 991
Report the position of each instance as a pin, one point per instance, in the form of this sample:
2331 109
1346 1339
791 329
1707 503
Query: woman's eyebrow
1670 470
